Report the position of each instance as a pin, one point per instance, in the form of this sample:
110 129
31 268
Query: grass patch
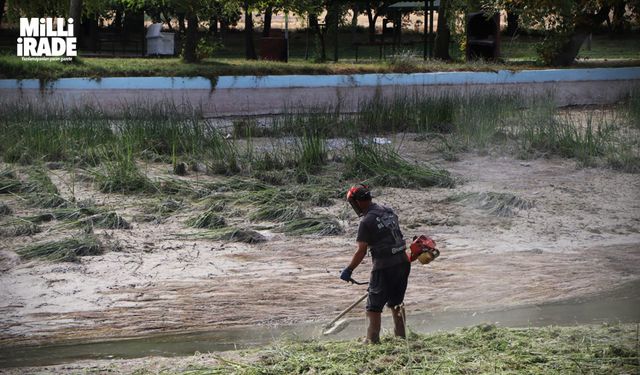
484 349
497 204
381 165
318 226
65 250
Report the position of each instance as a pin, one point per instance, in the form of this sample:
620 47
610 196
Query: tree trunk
566 55
315 26
250 49
191 42
213 25
167 20
268 13
181 27
443 34
2 2
619 24
513 21
331 21
372 23
75 12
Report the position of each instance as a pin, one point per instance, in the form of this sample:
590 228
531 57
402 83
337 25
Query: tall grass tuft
634 108
383 166
66 250
119 173
564 136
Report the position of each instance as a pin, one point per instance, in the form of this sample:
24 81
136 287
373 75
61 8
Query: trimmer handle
352 281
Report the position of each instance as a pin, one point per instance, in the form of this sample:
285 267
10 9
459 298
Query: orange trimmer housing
423 248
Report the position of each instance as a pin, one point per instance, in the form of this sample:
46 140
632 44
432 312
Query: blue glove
346 274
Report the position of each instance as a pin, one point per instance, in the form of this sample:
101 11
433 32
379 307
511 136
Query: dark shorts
387 286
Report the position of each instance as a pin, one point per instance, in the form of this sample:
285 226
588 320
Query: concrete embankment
255 95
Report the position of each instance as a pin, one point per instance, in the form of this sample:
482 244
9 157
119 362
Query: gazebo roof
413 5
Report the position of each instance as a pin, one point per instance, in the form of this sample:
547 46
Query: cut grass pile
83 216
9 182
5 210
18 227
484 349
497 204
230 234
280 213
318 226
209 219
65 250
42 192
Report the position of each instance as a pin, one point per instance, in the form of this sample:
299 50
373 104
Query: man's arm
359 255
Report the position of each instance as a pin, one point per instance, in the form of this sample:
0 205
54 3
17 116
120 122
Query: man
379 230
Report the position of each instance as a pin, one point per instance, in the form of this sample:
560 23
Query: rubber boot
373 332
398 320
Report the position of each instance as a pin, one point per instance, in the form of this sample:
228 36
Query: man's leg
398 319
373 332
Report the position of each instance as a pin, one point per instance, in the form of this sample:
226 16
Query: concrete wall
230 96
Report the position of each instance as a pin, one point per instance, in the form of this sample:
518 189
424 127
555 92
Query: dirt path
581 236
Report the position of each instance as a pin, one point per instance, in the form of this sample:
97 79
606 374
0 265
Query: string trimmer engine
423 248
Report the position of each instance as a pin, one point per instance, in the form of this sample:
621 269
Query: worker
379 231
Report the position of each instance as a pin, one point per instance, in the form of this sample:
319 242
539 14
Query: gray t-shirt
380 229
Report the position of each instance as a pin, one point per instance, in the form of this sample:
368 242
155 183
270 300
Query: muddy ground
580 236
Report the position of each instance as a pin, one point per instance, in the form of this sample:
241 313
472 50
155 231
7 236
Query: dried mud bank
577 234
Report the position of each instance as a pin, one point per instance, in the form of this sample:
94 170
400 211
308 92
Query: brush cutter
337 325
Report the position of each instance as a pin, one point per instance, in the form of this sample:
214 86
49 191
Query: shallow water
620 305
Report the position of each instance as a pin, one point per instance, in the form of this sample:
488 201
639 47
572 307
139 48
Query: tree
567 23
443 32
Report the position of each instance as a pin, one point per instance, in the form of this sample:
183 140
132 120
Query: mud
580 237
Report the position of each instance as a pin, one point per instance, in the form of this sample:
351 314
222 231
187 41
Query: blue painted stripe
311 81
